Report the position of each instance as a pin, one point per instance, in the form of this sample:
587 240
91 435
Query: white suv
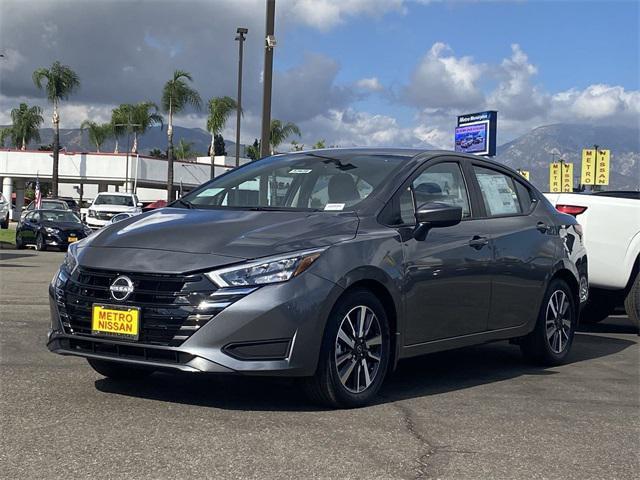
108 204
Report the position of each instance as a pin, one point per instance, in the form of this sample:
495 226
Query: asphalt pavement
474 413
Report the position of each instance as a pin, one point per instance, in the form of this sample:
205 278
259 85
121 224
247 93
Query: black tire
326 387
4 224
119 371
19 242
538 346
632 302
41 246
600 305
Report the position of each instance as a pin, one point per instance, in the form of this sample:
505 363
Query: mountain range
532 151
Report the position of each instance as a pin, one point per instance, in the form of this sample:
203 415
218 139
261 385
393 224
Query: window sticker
300 170
334 207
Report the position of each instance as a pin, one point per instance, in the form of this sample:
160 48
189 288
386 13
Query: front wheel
19 242
550 342
632 302
118 371
355 353
41 246
4 224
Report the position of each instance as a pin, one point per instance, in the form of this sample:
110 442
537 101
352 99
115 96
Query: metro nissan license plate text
116 321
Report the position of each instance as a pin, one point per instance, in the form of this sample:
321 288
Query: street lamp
241 31
128 125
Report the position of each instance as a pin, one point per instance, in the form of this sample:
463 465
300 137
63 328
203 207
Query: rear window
54 205
120 200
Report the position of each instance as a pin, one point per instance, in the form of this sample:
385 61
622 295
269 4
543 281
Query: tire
118 371
5 223
601 304
41 246
551 346
350 376
19 242
632 302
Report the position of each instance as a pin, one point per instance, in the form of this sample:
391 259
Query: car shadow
613 324
418 377
14 256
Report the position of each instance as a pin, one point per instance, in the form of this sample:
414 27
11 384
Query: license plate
72 239
115 321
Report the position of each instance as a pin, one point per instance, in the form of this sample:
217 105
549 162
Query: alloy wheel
358 349
558 321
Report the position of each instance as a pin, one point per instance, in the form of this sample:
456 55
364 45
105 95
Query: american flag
38 195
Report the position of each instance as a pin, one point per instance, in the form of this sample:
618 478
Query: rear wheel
41 246
118 371
355 353
551 340
632 302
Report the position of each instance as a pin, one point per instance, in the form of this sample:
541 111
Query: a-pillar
7 191
20 184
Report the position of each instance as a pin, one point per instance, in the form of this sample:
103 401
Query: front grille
173 307
133 352
105 215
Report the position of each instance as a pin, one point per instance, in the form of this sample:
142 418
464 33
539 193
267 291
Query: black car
45 204
50 228
329 266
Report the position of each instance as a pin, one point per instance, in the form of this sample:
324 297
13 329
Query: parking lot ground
475 413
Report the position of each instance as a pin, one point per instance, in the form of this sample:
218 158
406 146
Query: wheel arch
570 279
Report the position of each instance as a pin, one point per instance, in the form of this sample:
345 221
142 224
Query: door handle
478 242
543 227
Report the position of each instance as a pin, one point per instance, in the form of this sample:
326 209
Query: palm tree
143 116
61 82
176 95
4 134
26 122
184 150
98 133
219 110
120 117
253 151
280 132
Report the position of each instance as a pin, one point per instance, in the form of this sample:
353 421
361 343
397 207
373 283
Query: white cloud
325 14
442 80
371 84
597 102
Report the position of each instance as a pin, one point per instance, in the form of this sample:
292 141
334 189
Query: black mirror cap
437 214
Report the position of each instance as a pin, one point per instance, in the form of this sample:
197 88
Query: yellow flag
602 167
567 177
588 174
555 180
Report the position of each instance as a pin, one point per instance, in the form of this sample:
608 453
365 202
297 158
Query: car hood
175 240
111 208
64 226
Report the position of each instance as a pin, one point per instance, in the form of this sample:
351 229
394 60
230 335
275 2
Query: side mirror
139 204
435 215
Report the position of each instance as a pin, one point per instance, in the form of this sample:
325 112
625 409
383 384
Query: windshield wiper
184 202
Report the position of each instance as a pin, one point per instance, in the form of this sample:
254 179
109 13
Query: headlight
71 259
51 229
265 271
92 213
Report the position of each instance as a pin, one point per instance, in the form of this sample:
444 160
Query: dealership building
83 174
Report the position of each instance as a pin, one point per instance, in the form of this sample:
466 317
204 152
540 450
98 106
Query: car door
28 229
447 281
524 252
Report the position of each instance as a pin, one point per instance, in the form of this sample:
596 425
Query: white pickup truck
611 226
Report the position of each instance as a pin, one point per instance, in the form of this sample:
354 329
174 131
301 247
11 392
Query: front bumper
60 239
276 330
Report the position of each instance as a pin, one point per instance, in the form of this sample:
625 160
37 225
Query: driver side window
442 183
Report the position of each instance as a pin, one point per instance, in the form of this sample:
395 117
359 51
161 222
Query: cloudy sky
352 72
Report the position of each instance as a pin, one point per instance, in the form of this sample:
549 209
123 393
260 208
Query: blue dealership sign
476 133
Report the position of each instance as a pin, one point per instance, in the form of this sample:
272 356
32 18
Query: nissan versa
327 265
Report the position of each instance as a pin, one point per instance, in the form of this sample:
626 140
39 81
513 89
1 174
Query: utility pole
270 43
128 125
240 38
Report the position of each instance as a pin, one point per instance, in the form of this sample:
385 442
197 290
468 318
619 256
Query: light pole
241 31
270 43
128 125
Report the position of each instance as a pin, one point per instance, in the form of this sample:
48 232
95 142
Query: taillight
571 209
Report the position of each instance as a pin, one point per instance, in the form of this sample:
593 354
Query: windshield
47 204
59 217
299 182
121 200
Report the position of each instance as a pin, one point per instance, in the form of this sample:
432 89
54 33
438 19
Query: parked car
5 206
329 266
50 228
72 204
45 204
106 205
611 223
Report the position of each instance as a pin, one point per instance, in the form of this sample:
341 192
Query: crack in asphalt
429 449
